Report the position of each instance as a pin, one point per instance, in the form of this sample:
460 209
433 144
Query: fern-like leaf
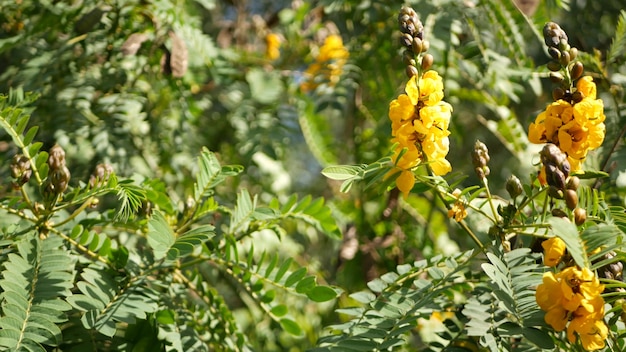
618 44
34 282
165 243
313 212
210 174
105 303
131 198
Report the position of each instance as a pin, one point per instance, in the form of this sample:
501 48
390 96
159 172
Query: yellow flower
272 49
328 64
419 124
576 128
457 211
553 250
572 297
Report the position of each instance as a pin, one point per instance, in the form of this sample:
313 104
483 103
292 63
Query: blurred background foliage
145 84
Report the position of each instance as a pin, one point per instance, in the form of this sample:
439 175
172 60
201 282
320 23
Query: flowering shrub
162 186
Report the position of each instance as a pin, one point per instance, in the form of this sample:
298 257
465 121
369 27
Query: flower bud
100 175
556 77
20 169
411 71
408 58
558 93
565 59
554 53
573 182
417 45
556 212
56 157
554 66
427 61
514 186
425 45
406 40
577 96
571 199
580 216
480 158
555 192
577 70
573 53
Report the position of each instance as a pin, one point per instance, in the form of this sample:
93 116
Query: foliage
226 173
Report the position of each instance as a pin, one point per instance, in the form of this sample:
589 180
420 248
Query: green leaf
321 294
568 232
160 235
540 338
618 44
266 87
290 326
295 277
279 310
341 172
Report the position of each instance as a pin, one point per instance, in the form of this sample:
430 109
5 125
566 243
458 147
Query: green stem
489 198
83 206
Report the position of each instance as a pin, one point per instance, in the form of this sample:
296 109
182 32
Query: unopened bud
564 60
417 45
573 182
480 158
554 53
425 45
411 71
427 62
100 175
556 77
558 93
56 157
514 186
577 96
571 199
580 216
554 66
556 212
577 70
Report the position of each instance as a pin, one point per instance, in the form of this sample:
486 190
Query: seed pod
411 71
572 183
564 60
558 93
514 186
576 70
571 199
554 53
427 61
580 216
417 46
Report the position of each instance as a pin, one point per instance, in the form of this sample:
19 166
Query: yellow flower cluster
573 296
328 64
419 124
457 210
272 46
576 128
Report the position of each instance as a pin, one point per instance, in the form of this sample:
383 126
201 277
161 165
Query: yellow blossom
572 298
458 210
553 250
328 64
575 127
419 125
272 49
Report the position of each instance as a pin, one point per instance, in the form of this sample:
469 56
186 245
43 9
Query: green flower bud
564 60
573 53
514 186
417 45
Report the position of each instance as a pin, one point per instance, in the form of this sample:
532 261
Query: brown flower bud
580 216
577 70
556 77
571 199
411 71
558 93
417 45
573 182
556 212
20 169
555 192
554 53
56 157
427 61
573 53
480 158
577 96
425 45
100 175
406 40
553 66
